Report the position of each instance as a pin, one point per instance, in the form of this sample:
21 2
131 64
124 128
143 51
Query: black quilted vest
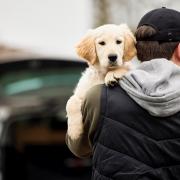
130 144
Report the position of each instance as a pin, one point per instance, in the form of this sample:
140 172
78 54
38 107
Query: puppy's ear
86 48
129 43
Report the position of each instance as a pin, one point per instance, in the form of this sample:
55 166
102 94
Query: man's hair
147 50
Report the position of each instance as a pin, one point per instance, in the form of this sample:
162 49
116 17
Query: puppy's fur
106 50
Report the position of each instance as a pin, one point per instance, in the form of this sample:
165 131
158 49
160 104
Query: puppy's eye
102 43
118 42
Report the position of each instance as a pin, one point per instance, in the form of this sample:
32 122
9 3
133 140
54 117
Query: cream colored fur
100 69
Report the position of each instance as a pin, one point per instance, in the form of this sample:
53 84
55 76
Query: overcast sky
50 27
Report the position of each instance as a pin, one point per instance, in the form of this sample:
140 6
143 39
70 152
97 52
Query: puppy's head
108 45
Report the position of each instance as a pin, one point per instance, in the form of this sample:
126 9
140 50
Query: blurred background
38 72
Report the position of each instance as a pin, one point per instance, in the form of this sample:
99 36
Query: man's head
158 35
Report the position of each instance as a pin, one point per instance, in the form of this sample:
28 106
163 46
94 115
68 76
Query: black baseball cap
165 21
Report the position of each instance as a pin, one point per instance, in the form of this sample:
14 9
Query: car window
31 81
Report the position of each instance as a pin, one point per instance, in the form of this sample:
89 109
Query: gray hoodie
155 86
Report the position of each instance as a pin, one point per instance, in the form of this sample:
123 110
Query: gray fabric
155 85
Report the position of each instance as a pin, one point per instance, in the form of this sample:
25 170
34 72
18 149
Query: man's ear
86 48
129 43
178 51
176 55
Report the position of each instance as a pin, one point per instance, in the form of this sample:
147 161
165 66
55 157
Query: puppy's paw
110 79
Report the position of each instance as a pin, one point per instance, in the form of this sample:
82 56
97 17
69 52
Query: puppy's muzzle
112 58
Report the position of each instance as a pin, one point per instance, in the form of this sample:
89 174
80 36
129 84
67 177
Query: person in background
132 130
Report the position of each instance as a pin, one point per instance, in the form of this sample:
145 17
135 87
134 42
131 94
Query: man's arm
82 147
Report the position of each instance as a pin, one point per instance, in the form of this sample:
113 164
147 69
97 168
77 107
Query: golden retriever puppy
106 50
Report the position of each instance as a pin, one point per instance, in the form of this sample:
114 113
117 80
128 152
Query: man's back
131 144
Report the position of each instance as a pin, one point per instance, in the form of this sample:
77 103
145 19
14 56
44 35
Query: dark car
33 95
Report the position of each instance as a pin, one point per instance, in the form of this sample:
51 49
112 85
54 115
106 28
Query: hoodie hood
155 86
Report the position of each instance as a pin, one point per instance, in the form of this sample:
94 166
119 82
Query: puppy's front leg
73 109
112 77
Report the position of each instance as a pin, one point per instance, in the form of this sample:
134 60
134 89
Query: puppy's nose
112 57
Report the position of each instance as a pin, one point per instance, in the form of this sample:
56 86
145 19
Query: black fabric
165 21
130 144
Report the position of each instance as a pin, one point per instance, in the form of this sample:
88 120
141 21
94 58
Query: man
132 131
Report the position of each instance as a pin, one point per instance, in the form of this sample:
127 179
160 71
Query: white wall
51 27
